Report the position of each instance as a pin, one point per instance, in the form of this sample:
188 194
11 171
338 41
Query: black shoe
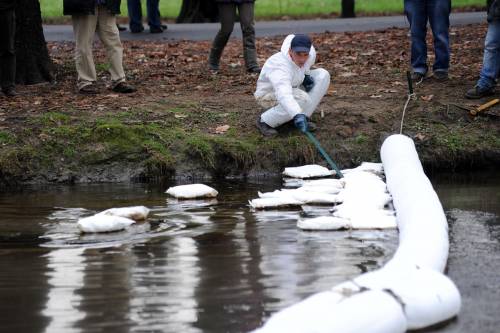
10 92
164 26
441 76
254 70
265 129
477 92
124 88
155 30
120 28
90 89
137 31
214 68
417 76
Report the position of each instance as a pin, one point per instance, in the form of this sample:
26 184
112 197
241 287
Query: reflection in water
105 292
474 265
230 291
193 266
65 277
296 264
23 289
163 282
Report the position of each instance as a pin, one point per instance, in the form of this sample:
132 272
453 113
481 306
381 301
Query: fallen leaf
390 91
427 98
221 129
369 53
348 74
420 136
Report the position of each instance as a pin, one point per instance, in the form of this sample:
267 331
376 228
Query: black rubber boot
250 56
265 129
214 58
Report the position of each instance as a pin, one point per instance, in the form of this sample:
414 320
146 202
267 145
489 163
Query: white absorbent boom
410 291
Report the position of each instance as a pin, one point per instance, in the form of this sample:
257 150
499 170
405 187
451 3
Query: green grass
6 138
52 9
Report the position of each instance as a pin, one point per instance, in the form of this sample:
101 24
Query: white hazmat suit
279 86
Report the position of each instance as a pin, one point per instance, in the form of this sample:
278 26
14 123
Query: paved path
207 31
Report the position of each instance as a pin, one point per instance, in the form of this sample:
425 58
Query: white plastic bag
330 182
137 213
263 203
192 191
377 220
374 168
308 171
103 223
324 223
305 197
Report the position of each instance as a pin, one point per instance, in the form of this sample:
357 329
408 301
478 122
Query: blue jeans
135 14
437 13
491 59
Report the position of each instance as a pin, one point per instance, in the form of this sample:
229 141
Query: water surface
203 266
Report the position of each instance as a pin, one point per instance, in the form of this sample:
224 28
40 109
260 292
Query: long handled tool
475 111
316 143
483 107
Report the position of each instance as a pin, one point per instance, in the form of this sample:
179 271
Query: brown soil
364 105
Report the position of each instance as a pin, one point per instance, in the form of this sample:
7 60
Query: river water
212 266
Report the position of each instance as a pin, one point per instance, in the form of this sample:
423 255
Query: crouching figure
287 87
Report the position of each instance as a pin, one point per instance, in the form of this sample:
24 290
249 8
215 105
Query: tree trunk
198 11
33 61
348 9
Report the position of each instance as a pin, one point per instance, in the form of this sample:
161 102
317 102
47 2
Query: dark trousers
7 49
135 14
437 13
227 14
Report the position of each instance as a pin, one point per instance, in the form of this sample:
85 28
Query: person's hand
300 121
308 83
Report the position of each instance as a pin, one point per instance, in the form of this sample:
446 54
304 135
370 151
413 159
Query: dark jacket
87 7
494 11
7 4
234 1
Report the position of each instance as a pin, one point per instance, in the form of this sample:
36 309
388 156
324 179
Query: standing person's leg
416 13
491 60
491 64
247 22
154 21
321 79
135 16
84 27
439 18
227 15
110 37
7 52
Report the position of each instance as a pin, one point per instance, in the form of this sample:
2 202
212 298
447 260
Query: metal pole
323 153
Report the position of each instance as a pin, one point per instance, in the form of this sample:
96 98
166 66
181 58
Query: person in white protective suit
288 88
